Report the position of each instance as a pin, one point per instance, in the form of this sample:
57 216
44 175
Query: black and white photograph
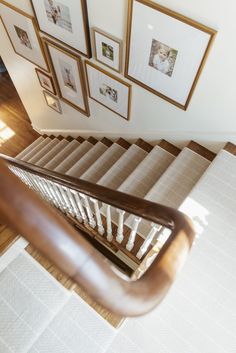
23 37
52 102
162 57
67 75
66 21
107 51
58 14
108 90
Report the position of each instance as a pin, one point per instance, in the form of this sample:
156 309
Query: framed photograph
108 90
46 81
66 21
108 49
52 101
165 51
69 76
22 31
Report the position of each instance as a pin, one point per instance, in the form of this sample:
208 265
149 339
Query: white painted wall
211 116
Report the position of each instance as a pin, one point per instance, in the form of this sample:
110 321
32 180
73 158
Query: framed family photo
22 31
108 49
66 21
108 90
166 51
52 101
46 81
69 76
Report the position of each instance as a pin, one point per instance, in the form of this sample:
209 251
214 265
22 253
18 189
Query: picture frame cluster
165 53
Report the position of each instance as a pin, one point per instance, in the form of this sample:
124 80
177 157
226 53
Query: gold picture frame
68 74
108 49
75 36
168 40
46 81
22 31
108 90
52 101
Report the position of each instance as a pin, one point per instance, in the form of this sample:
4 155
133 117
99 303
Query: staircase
194 180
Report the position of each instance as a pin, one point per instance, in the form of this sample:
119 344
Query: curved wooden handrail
52 235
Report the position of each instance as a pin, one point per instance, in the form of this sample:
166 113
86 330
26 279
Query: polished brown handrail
52 235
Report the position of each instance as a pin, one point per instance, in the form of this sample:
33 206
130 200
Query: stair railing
51 234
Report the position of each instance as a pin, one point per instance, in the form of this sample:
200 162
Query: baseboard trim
212 140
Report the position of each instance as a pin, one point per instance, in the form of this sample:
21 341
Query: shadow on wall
2 66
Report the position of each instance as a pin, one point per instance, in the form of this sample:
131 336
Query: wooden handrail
52 235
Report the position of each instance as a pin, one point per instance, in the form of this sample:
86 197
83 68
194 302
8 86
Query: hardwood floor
16 134
13 120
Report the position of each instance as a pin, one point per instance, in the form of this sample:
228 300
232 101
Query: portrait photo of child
58 14
23 37
162 57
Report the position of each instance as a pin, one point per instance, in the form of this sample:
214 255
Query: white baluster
132 237
73 203
92 221
101 229
109 225
80 206
148 240
120 235
66 202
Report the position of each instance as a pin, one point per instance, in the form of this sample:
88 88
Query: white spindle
80 206
148 240
66 202
120 231
92 221
101 229
74 206
109 225
132 237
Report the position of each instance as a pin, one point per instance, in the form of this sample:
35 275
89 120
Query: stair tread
201 150
231 148
71 159
92 140
144 145
62 155
123 143
36 149
104 163
166 145
175 184
43 151
123 167
142 179
106 142
52 153
87 160
30 147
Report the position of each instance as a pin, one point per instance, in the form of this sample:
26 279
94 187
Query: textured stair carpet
38 315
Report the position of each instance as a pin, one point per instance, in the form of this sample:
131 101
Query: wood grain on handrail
52 235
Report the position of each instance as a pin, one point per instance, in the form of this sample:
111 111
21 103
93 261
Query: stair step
104 163
87 160
202 151
175 184
55 162
52 153
71 159
123 143
144 145
47 148
123 167
30 148
231 148
147 172
166 145
36 149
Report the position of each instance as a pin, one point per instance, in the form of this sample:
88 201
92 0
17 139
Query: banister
52 235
